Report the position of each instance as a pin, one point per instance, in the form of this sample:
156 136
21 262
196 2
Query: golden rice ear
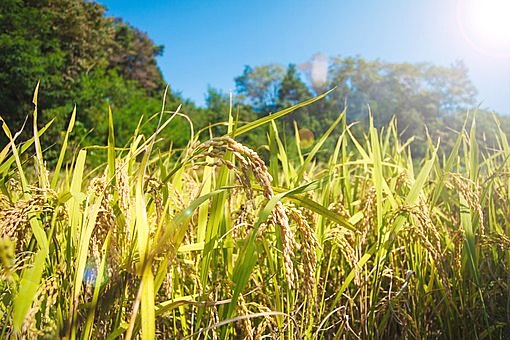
308 250
246 324
250 161
465 187
7 256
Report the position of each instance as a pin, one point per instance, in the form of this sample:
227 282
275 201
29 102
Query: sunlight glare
486 25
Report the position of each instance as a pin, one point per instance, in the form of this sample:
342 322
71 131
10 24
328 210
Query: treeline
83 57
427 100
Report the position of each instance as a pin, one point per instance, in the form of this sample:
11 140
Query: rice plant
213 241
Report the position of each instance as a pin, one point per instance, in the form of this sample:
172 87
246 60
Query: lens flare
90 275
319 70
306 138
485 24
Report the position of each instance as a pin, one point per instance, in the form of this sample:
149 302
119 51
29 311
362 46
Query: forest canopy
79 55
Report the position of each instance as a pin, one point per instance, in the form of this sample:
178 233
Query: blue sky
208 42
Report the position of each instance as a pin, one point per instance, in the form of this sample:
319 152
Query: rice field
215 242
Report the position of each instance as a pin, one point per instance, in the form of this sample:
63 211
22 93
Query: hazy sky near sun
208 42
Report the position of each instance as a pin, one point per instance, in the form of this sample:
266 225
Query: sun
485 24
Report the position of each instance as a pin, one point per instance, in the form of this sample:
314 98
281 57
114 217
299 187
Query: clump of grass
211 241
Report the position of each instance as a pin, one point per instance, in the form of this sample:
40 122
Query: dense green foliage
79 56
422 97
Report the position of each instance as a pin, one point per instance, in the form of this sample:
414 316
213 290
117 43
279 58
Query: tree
218 107
419 95
65 44
416 94
292 89
134 55
259 86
